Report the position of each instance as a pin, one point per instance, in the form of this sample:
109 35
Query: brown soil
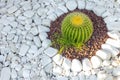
98 38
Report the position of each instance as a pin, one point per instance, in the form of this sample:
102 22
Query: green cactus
77 28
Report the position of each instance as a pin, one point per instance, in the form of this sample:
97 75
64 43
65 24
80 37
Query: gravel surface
25 51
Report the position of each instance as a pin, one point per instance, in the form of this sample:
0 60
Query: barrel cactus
77 28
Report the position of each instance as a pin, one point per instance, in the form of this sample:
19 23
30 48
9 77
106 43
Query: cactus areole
77 28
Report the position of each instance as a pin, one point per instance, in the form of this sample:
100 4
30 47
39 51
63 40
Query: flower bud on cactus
77 28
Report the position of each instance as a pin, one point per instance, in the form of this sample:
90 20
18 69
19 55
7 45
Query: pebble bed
25 52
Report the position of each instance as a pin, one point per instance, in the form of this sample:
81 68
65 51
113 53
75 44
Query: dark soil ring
98 38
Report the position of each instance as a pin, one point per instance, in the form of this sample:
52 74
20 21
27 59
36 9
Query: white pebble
45 60
26 6
96 61
12 9
26 73
58 59
82 76
71 5
13 74
86 64
114 35
106 63
76 65
34 31
5 73
66 64
112 42
23 50
62 78
43 29
101 75
89 5
116 71
43 36
28 13
33 49
63 8
99 10
51 51
7 29
37 41
105 55
81 4
46 22
57 70
46 43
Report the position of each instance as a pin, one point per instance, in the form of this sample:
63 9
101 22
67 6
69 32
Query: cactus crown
76 28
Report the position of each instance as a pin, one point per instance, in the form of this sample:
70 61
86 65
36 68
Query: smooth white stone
106 63
43 29
5 73
96 61
106 14
71 5
41 11
28 13
115 63
10 36
93 77
112 42
11 18
76 65
23 50
43 36
81 4
58 59
13 74
86 64
117 78
82 76
26 73
34 30
66 64
2 58
12 9
27 6
116 71
114 35
105 55
52 17
63 8
33 49
51 51
99 10
18 67
46 22
14 24
59 12
36 6
49 68
29 36
62 78
57 70
46 43
111 49
109 77
45 60
101 75
75 78
110 19
7 29
89 5
17 13
66 72
37 41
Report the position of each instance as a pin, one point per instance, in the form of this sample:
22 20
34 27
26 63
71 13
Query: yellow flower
76 20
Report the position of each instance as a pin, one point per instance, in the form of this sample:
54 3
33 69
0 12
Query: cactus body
77 27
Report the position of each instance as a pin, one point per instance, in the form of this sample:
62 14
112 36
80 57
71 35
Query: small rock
106 63
101 75
76 65
14 74
114 35
112 42
99 10
59 12
12 9
52 17
34 31
23 50
7 29
96 61
58 59
111 49
90 5
82 76
43 29
63 8
2 58
62 78
51 51
28 13
45 60
116 71
37 41
5 73
33 49
41 11
115 63
26 73
93 77
105 55
106 14
48 68
43 36
14 24
27 6
46 22
66 64
46 43
81 4
73 6
75 78
86 64
57 70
